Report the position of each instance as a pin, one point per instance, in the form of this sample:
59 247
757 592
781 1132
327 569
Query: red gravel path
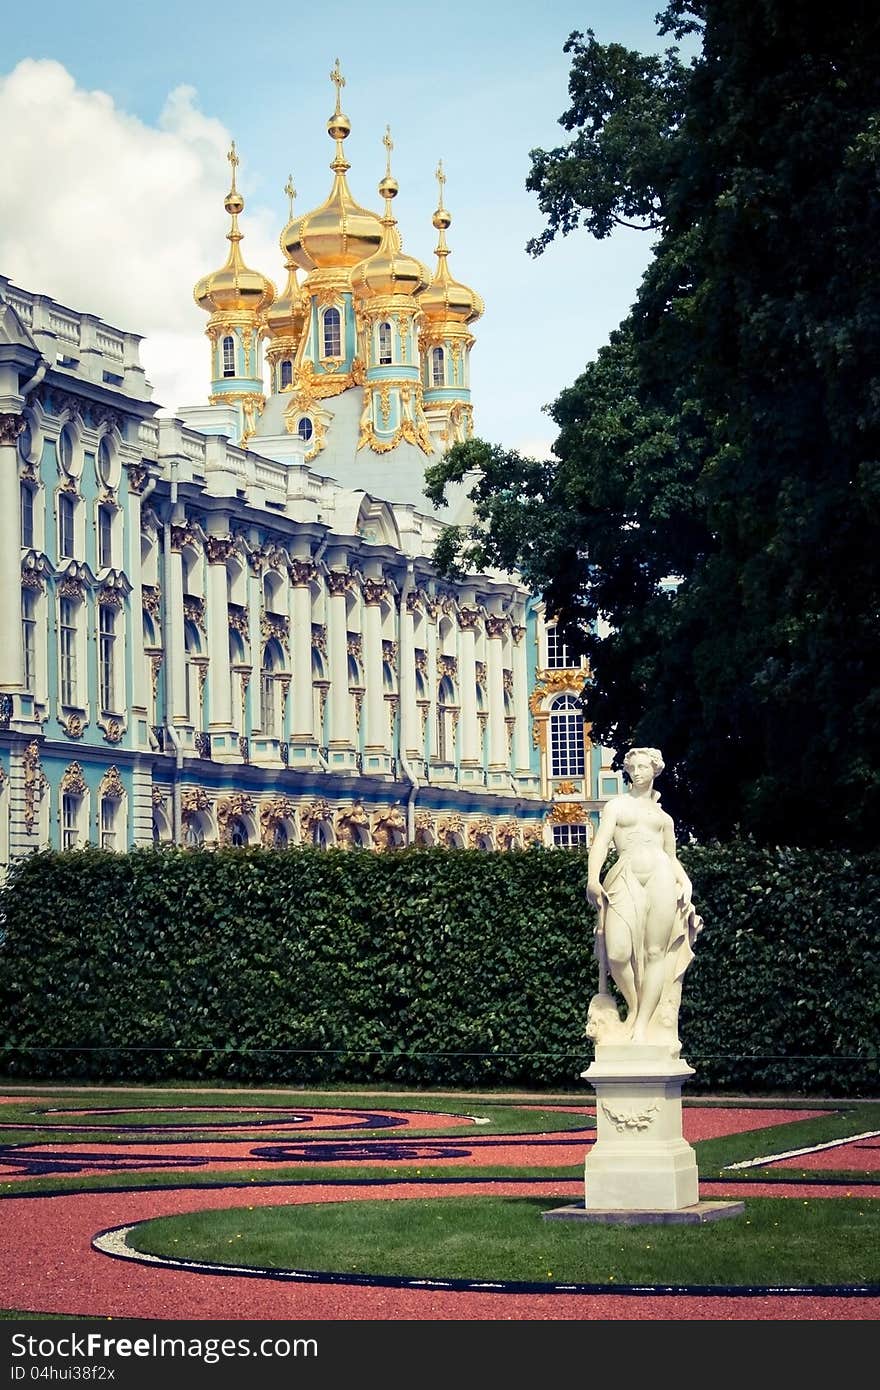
47 1263
49 1266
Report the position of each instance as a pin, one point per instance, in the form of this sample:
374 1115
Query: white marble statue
646 925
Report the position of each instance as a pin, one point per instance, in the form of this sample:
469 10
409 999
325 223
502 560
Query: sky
116 122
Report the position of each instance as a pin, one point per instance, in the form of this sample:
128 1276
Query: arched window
566 737
68 624
238 836
286 373
438 370
272 662
66 526
107 658
194 833
29 638
279 836
229 355
445 736
193 647
27 516
109 819
384 344
305 429
332 333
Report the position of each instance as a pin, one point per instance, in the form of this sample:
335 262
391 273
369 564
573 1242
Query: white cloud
116 217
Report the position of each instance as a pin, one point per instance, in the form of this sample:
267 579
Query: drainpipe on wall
407 703
170 658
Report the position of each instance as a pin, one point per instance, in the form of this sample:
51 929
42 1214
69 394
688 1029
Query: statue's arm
599 853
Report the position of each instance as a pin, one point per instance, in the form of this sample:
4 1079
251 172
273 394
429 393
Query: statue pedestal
640 1161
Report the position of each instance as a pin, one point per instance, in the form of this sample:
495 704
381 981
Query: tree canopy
714 492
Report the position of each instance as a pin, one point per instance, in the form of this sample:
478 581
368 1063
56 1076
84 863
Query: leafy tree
728 436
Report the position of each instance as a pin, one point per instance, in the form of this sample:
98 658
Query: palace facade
224 626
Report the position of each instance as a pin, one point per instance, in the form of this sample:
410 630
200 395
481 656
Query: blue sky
117 117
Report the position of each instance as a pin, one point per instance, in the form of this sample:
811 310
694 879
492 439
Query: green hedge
442 968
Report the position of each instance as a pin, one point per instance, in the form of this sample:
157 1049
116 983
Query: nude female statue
646 922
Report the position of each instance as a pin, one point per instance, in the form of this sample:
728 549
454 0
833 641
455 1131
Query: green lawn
779 1241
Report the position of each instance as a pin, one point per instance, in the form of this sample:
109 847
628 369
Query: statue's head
651 755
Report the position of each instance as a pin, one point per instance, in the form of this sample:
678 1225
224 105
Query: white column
341 716
498 754
12 667
302 709
219 686
377 730
467 681
521 750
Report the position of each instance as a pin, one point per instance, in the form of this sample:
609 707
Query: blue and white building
223 626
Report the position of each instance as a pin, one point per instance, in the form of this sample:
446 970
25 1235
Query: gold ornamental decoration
111 785
72 782
389 829
274 812
34 782
568 813
11 426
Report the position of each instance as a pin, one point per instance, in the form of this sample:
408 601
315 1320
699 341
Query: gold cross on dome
339 82
234 161
441 179
389 146
291 193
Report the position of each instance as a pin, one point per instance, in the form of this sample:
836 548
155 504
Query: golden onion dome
286 317
234 287
389 271
446 300
339 233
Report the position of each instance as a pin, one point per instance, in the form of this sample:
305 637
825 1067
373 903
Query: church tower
445 342
385 288
236 298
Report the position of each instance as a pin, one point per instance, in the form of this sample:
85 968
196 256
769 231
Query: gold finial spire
291 193
441 218
339 82
388 188
338 126
234 203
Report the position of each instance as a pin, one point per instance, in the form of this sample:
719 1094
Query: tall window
105 538
29 638
445 699
238 835
70 811
570 836
332 333
438 373
384 344
557 651
107 656
67 625
566 738
229 355
109 809
66 513
193 647
286 374
27 516
268 700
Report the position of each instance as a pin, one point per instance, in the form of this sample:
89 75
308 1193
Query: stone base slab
696 1215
